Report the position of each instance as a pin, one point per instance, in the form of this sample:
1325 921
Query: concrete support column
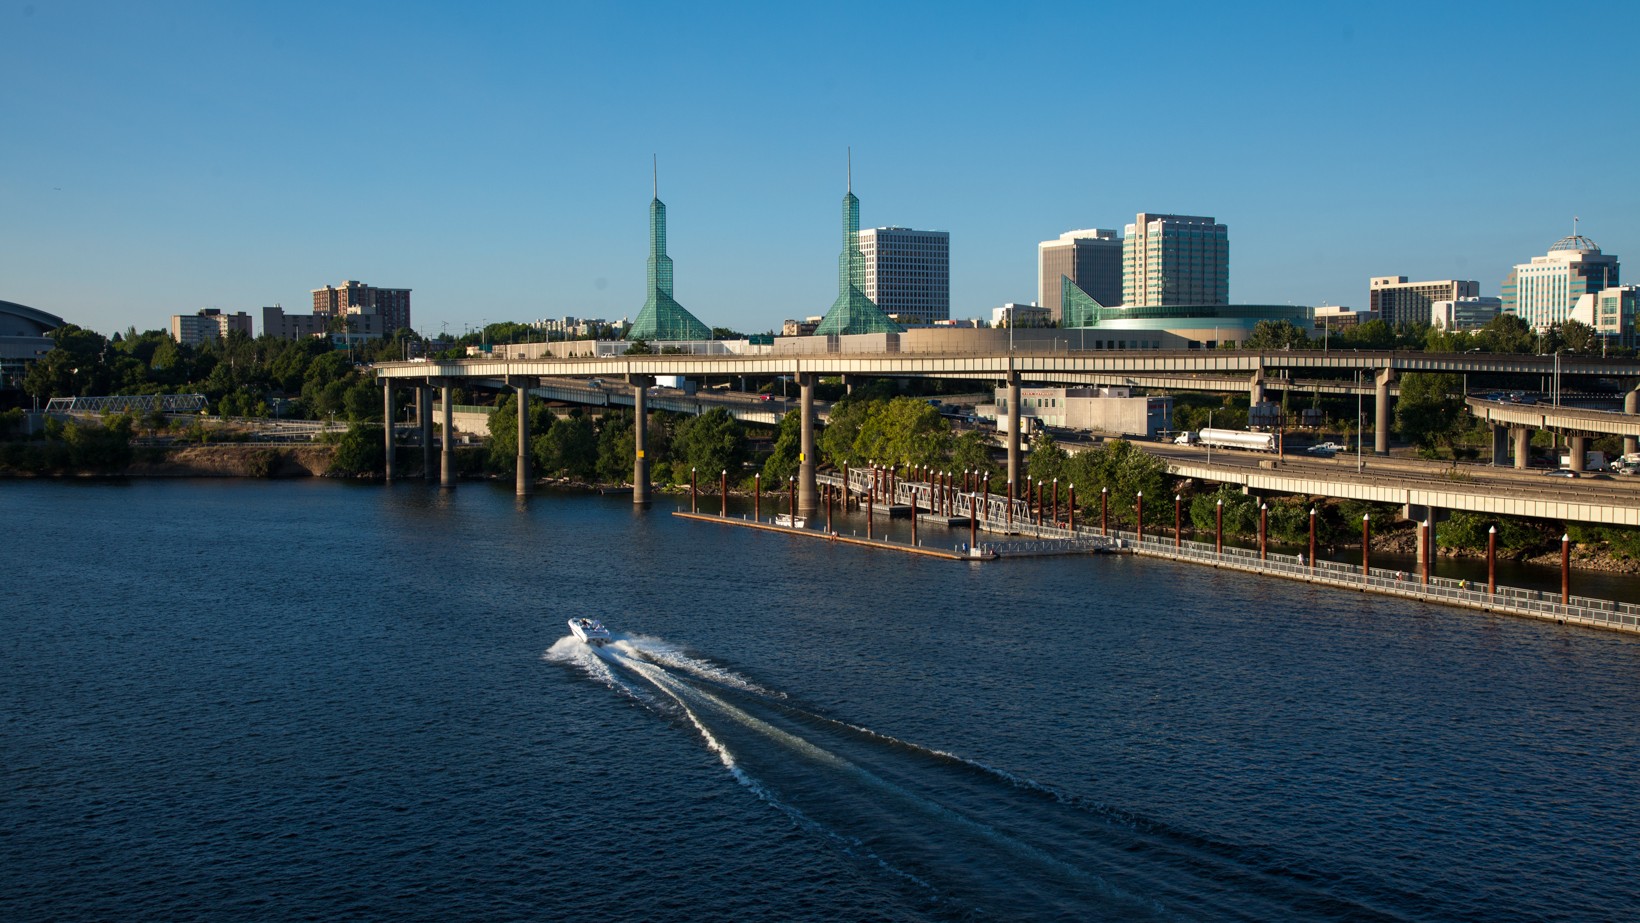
424 416
1576 453
1500 445
387 421
808 496
1255 390
525 479
447 453
1523 446
640 440
1014 418
1380 435
1631 405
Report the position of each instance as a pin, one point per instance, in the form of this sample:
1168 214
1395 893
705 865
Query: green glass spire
662 318
853 312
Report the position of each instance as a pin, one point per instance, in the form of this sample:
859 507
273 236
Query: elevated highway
1415 486
1177 368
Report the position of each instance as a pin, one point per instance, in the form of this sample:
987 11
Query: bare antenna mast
655 164
851 168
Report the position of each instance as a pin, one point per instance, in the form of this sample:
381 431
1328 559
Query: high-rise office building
1175 260
1464 313
393 304
1091 258
208 324
1543 292
908 273
661 317
1397 301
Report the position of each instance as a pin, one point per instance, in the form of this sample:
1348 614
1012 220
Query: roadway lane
1417 473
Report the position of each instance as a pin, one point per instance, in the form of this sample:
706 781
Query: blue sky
163 157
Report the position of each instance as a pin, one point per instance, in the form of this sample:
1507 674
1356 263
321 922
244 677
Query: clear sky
161 157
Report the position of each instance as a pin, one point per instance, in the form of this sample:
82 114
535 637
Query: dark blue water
321 700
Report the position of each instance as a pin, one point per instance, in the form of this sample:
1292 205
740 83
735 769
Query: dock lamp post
1178 509
1139 514
1429 547
1312 538
1104 511
724 492
1565 567
1054 516
1492 561
757 496
1263 530
1071 510
1029 513
1218 527
791 500
1366 544
692 493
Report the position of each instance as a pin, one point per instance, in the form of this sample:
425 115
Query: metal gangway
990 512
127 403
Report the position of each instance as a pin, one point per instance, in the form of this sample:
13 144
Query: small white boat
786 519
591 631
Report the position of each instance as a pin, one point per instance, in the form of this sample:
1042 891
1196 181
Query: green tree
1276 334
617 448
783 461
570 447
1507 333
503 447
709 443
903 431
1373 334
1579 337
359 451
1431 411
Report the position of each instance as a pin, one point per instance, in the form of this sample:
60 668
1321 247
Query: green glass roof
853 312
662 318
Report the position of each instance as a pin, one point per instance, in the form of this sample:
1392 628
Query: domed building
23 339
1543 292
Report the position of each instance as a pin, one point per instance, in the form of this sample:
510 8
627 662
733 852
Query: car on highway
1560 473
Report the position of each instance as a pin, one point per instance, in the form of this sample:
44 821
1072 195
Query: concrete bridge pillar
1380 406
1255 390
387 421
1631 405
424 416
1575 452
1500 445
525 479
808 494
423 410
1523 446
1428 519
1014 418
640 439
447 454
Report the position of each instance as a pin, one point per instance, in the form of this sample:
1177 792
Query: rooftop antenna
655 164
851 168
1574 225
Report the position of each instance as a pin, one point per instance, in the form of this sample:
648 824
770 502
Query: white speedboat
786 519
591 631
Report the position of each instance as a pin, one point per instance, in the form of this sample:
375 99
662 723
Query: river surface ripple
280 701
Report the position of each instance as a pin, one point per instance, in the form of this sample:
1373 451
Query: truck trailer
1237 439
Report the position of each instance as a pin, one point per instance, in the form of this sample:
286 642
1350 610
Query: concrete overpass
1422 492
1079 367
1576 423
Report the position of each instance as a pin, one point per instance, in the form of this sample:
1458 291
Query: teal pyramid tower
853 312
662 318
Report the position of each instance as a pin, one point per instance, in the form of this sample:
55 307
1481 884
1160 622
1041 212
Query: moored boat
786 519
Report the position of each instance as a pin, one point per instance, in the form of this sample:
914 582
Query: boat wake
966 839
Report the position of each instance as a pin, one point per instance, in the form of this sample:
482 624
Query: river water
299 700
